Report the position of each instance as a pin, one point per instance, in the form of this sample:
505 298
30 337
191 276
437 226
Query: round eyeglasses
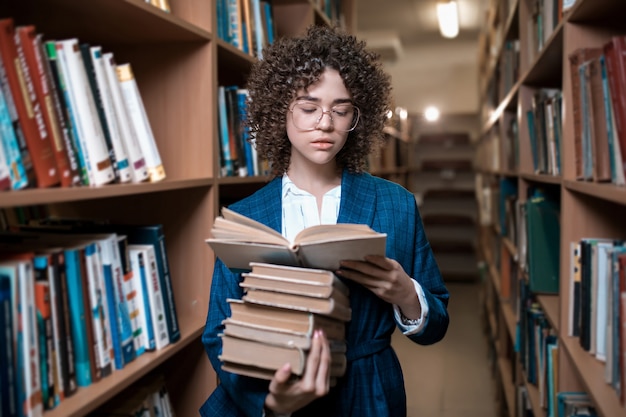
306 116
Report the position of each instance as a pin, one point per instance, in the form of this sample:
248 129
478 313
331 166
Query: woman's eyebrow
316 99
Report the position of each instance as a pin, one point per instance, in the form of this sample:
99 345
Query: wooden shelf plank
550 306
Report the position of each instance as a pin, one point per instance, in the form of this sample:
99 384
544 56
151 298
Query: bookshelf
178 62
587 208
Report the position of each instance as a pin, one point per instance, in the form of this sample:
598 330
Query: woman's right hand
288 396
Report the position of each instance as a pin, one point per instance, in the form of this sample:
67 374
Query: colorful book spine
44 330
121 271
155 298
226 158
78 316
99 309
138 264
54 53
140 122
8 380
122 165
28 108
29 43
136 158
91 135
10 144
154 235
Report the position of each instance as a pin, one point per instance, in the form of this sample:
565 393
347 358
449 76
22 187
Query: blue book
269 21
226 158
11 146
78 316
242 106
8 377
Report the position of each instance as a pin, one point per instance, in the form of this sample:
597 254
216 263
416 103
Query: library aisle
451 378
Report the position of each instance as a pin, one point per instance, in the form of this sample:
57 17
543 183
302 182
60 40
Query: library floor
451 378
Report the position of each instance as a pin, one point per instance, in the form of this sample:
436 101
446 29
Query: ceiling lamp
448 17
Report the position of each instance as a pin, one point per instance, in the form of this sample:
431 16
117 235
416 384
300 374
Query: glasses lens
306 116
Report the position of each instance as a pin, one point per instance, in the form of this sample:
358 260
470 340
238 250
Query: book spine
78 317
10 145
96 94
121 270
67 114
138 262
155 297
28 340
140 122
5 176
8 378
58 329
92 136
155 236
121 157
106 251
57 112
28 109
99 313
44 328
128 135
65 330
226 158
30 44
136 305
72 108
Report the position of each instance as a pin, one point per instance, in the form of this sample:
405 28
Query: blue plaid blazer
373 384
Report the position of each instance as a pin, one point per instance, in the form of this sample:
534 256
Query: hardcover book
238 240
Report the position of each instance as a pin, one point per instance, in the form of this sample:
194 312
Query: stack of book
275 321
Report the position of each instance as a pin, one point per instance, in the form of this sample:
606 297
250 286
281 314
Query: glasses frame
329 112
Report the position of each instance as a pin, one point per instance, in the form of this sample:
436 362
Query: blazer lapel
358 199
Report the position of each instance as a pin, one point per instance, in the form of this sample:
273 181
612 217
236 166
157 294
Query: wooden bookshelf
178 62
586 208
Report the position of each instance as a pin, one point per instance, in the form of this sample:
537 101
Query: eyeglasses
306 116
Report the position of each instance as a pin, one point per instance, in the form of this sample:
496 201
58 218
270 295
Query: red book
30 44
615 55
28 108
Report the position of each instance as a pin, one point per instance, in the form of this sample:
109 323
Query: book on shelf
8 373
37 151
154 293
90 133
67 113
94 72
128 135
615 55
9 141
139 121
238 240
30 44
543 234
146 234
144 324
25 332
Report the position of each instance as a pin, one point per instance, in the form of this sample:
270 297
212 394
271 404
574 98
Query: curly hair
295 63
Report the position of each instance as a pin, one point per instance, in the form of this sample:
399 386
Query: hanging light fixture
448 17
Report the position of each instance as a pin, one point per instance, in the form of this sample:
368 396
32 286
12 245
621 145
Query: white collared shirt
300 212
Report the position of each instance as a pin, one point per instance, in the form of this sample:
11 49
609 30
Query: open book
238 240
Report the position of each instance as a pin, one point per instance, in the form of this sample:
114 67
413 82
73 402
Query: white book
33 405
140 122
121 156
138 265
91 134
152 285
99 313
128 135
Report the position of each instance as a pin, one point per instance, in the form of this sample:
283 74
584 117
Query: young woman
318 104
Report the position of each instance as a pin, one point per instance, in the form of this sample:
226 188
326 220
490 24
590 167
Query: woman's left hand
386 279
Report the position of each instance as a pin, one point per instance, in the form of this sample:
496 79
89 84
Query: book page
333 232
235 217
